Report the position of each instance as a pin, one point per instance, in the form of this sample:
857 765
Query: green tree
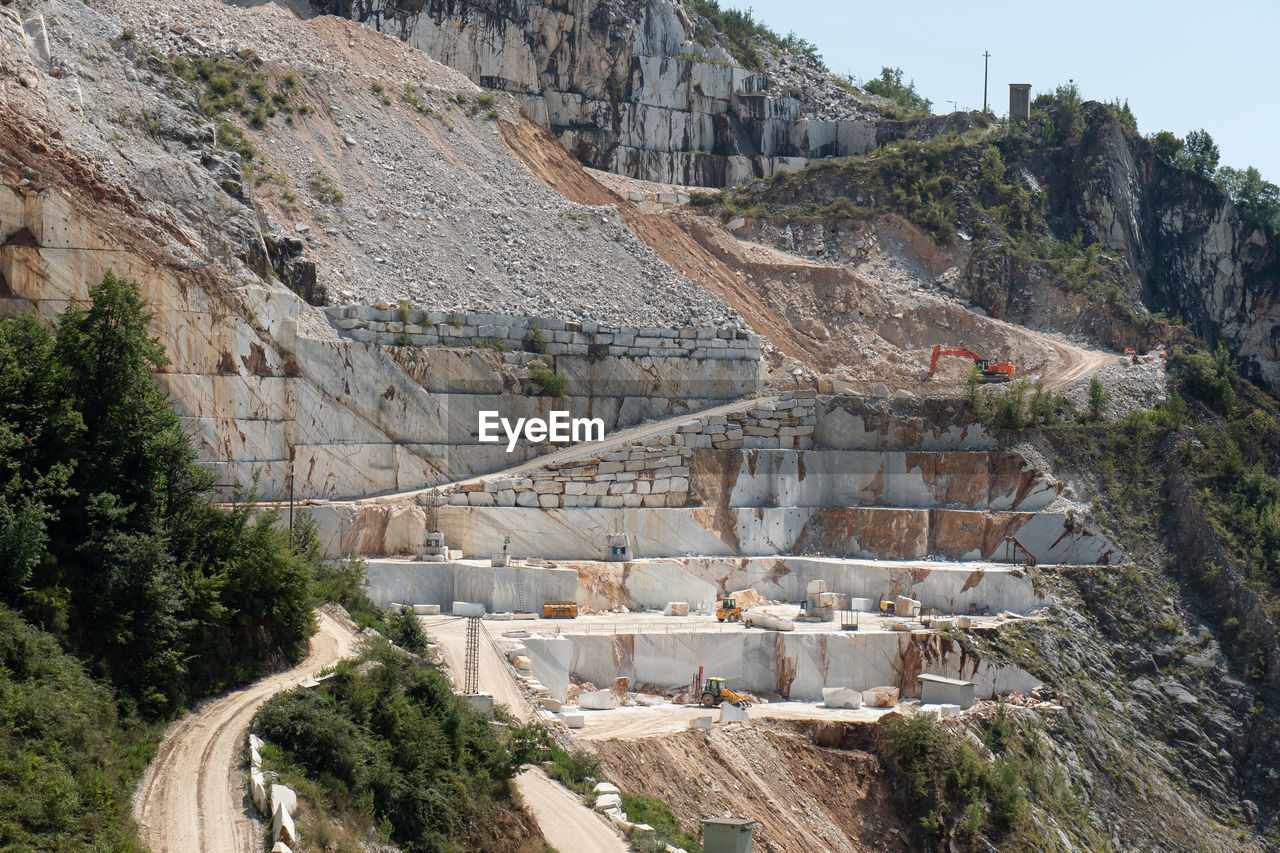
889 85
36 422
1199 153
1258 200
1167 147
107 532
1121 113
110 359
1061 114
1098 399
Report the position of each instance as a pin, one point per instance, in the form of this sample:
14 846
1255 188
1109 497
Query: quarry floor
498 678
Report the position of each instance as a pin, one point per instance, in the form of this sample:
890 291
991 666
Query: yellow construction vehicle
887 608
714 692
727 610
560 610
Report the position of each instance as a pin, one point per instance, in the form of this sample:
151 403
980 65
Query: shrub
552 384
578 769
1207 377
535 340
657 814
391 746
889 85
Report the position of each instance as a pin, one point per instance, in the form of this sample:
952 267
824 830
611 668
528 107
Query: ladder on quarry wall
471 669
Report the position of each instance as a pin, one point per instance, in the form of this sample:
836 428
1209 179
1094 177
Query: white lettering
513 435
489 428
559 428
559 431
592 429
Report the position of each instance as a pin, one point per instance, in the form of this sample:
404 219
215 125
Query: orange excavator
1000 371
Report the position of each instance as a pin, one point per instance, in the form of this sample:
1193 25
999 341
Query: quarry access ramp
577 451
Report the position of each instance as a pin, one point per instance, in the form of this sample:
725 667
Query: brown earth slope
869 326
806 797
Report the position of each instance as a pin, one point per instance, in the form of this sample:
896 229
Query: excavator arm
941 351
1001 371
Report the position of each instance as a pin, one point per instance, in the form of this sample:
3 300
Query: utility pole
986 62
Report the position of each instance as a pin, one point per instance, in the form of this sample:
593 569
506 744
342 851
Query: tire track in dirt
193 796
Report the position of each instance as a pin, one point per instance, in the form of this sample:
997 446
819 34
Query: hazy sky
1181 65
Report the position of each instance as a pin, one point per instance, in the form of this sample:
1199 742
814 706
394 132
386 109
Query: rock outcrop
628 87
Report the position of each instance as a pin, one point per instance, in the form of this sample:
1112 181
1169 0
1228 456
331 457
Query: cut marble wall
796 665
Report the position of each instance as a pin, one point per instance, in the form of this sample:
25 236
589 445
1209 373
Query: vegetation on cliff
111 548
68 759
108 536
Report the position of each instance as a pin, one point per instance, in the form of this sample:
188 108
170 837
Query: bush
657 814
535 340
952 784
68 761
1207 377
404 629
393 746
579 769
552 384
889 85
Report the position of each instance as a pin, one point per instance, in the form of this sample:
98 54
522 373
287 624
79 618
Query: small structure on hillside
1019 102
940 690
727 834
618 548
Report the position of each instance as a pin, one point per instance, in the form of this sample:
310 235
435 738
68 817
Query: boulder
730 713
880 697
841 697
607 802
598 700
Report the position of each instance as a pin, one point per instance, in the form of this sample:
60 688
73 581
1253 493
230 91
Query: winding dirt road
193 797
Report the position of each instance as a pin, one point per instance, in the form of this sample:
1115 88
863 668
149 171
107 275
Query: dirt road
193 797
495 674
566 823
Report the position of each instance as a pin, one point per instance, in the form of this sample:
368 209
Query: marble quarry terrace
702 484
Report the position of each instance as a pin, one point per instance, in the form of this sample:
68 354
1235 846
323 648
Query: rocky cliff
1093 236
637 87
1181 247
1186 243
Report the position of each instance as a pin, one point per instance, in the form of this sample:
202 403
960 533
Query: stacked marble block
277 802
387 325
